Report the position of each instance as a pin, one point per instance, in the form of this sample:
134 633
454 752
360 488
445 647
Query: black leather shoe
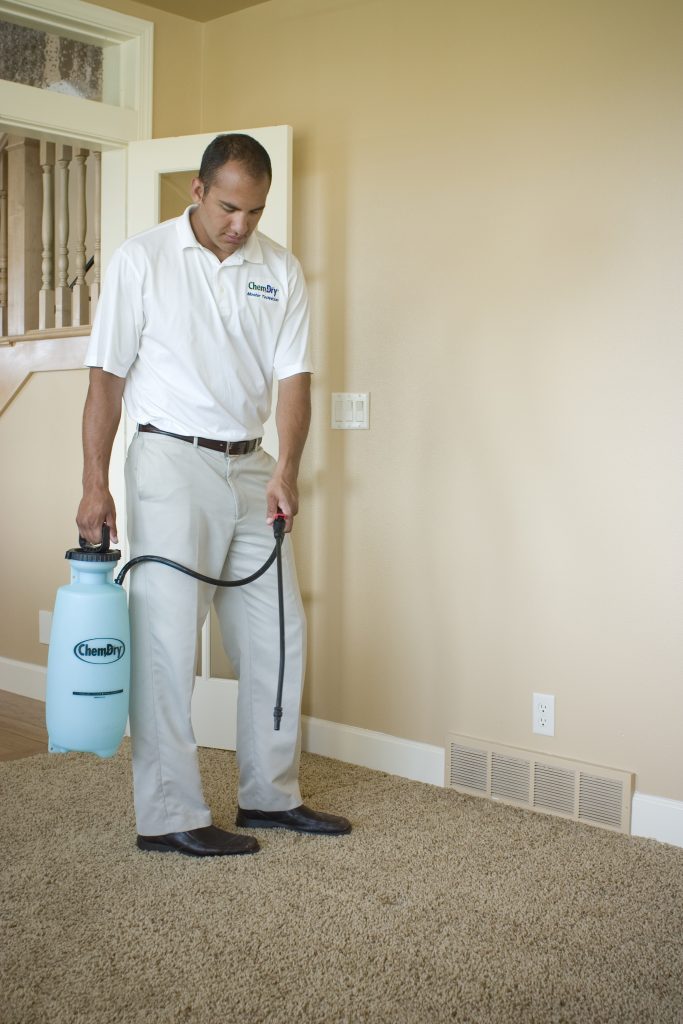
300 819
200 842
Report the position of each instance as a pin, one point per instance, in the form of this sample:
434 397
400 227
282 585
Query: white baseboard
23 678
377 750
656 817
214 708
652 817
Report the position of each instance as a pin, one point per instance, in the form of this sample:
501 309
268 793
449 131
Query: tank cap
87 552
79 555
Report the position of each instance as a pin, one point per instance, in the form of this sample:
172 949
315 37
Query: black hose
197 575
277 710
86 268
279 524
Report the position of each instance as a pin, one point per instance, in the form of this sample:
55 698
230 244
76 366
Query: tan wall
487 205
41 483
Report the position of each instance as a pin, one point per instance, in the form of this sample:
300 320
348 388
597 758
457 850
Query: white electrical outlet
543 718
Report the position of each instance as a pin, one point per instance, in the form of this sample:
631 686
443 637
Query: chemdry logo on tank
263 291
100 650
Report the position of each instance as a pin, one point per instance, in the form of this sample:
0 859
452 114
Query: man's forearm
292 418
100 422
101 417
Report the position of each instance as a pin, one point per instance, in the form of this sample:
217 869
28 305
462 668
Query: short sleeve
119 319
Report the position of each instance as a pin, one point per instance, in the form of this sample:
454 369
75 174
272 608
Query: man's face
228 211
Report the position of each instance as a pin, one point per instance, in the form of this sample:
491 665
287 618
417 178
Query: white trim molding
214 713
126 111
653 817
657 817
19 361
377 750
22 678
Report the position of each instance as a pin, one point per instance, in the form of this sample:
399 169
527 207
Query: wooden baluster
46 306
24 214
97 234
62 291
80 300
3 242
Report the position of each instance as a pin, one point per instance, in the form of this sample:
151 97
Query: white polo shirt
199 340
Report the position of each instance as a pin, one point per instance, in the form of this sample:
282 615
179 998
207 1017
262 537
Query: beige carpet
436 908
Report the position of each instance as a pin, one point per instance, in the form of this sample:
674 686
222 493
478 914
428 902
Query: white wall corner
656 817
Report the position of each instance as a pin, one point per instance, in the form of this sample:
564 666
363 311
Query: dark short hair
239 148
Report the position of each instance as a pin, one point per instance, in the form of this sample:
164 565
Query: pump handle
102 547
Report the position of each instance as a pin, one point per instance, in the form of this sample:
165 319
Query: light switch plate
350 410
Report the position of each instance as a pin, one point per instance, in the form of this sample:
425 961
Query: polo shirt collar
250 252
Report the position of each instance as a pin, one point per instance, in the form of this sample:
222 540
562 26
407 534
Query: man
196 318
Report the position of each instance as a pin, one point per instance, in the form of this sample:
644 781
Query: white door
151 164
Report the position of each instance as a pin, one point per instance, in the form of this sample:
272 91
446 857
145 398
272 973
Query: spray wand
279 524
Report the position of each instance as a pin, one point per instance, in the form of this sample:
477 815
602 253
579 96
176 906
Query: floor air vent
509 777
539 782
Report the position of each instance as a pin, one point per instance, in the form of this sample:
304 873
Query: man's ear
197 190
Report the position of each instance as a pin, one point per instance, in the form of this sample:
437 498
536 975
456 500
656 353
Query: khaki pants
207 511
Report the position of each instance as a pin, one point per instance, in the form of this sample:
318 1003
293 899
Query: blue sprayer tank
88 668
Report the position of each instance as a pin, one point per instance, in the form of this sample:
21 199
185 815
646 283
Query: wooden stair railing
43 237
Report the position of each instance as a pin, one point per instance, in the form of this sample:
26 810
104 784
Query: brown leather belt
228 447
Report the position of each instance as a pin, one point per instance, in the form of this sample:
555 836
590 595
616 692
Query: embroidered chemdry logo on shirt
263 291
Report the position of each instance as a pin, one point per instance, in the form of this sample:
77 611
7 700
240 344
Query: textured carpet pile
437 907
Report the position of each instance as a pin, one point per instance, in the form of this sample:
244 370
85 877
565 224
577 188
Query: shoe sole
144 844
258 823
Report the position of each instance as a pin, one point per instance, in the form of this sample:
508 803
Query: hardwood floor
22 726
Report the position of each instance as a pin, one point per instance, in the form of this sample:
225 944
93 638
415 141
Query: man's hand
282 495
96 507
